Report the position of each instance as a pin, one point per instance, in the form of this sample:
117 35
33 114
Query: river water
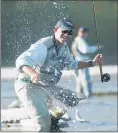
100 111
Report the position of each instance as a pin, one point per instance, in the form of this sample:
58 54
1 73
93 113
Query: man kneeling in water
33 86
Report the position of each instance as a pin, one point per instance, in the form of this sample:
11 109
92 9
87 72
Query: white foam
8 115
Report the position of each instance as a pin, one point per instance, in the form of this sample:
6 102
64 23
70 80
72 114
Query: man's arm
27 61
96 61
85 64
31 73
71 63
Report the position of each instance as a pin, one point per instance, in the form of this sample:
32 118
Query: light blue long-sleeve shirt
81 48
42 55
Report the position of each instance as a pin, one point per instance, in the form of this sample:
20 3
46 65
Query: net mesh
61 97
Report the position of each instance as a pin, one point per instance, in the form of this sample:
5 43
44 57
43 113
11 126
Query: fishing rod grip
101 73
100 67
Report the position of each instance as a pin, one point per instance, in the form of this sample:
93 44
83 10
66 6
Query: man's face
83 34
63 36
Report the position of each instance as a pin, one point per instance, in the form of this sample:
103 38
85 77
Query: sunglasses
68 32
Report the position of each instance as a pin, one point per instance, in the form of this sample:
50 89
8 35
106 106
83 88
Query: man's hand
97 60
34 77
32 73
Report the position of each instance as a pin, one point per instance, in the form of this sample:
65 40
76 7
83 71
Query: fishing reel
104 77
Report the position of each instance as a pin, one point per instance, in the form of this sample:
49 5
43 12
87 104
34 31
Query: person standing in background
81 50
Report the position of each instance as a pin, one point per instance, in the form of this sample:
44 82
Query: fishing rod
104 77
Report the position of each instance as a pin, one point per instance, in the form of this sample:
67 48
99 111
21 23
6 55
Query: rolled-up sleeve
35 55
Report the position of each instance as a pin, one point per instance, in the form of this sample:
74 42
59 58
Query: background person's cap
65 24
83 29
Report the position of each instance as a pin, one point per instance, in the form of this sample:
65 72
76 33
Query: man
50 55
81 50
